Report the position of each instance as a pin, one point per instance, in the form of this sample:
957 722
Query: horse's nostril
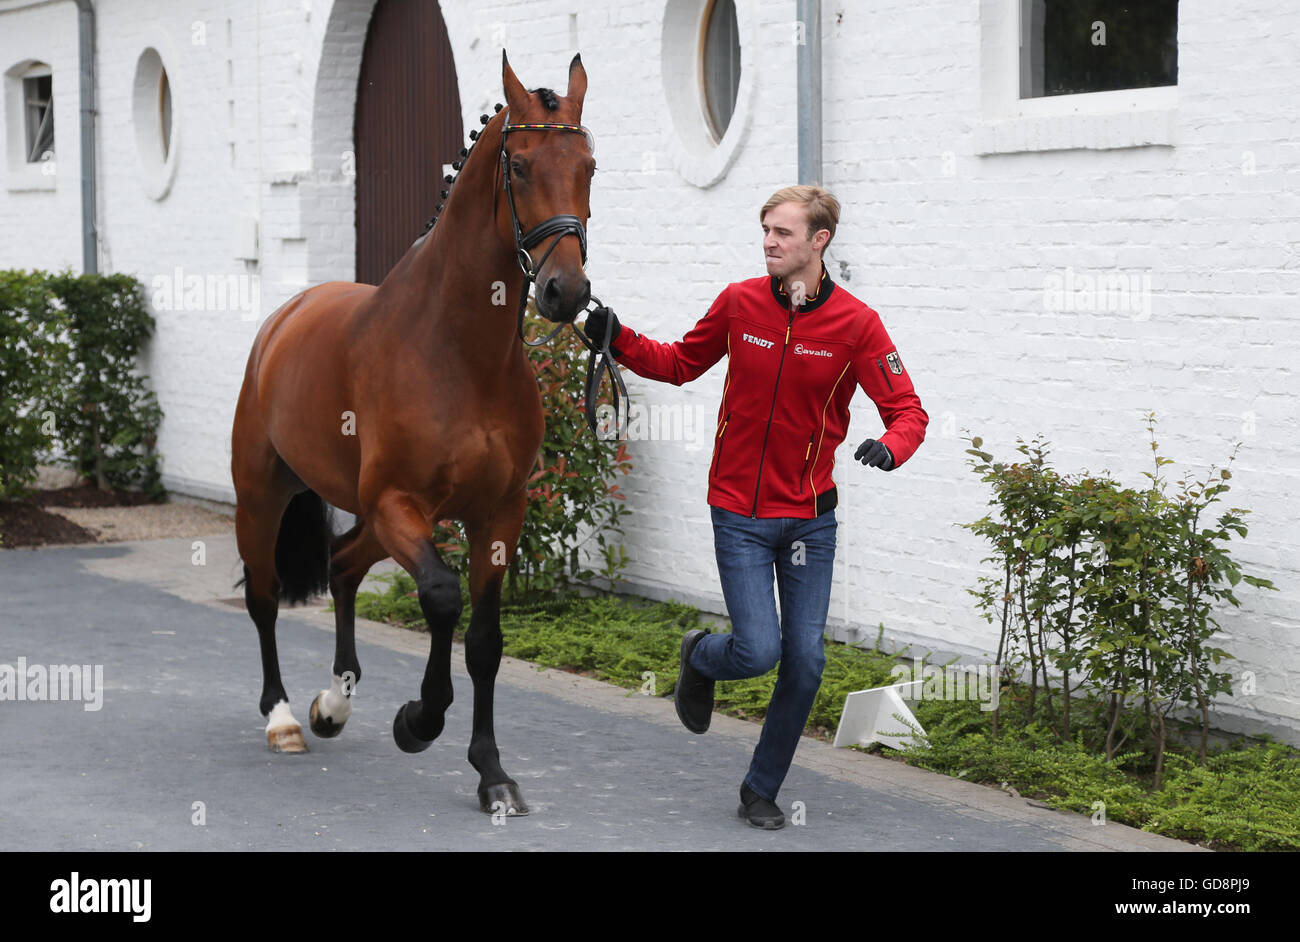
550 294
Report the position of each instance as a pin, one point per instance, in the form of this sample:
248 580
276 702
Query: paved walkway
602 768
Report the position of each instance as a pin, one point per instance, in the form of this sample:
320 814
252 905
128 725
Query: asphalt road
176 758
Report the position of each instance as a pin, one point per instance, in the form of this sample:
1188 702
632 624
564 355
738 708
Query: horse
412 402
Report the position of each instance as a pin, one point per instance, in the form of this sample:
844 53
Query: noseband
556 228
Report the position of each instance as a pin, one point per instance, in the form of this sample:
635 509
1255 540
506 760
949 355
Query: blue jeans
802 552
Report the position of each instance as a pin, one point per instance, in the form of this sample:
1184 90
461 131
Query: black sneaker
759 812
694 692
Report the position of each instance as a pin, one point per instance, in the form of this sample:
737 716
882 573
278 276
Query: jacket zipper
884 374
806 456
754 513
717 458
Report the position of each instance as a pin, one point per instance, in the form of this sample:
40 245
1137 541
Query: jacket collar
815 300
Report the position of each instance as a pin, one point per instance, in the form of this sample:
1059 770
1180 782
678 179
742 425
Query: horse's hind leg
264 488
492 546
256 530
353 554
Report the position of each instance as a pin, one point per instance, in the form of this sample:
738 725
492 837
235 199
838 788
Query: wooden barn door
407 127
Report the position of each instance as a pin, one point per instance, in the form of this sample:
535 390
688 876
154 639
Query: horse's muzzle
563 296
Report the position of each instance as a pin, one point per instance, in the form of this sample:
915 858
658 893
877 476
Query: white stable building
1063 224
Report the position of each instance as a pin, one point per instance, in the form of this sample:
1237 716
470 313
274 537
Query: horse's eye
516 170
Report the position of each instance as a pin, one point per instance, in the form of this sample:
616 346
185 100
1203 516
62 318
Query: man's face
785 239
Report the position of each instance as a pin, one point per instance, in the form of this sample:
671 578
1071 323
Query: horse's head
549 172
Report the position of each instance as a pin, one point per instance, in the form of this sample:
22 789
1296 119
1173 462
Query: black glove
874 454
596 323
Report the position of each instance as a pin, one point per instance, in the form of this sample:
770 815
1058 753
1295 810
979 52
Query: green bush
68 380
33 363
108 420
1110 591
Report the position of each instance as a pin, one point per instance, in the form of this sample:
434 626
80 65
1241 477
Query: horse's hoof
405 738
323 726
501 799
286 739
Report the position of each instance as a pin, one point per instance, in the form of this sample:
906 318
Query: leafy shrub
108 420
33 363
1112 587
69 388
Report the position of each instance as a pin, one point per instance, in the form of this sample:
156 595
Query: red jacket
785 400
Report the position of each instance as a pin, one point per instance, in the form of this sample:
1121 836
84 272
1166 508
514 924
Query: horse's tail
302 549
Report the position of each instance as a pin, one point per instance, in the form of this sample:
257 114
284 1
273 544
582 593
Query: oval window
709 96
155 126
721 65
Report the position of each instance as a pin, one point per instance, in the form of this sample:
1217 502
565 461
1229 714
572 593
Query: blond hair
822 209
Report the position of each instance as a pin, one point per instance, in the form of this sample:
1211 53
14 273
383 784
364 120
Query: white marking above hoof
336 703
283 734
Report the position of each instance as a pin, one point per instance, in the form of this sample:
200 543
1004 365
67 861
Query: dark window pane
39 95
165 113
721 64
1072 46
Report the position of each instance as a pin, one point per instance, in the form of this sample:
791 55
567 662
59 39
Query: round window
706 88
155 130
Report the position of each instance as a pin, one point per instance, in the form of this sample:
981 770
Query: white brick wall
951 247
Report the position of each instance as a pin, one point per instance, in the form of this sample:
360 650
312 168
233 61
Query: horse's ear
516 94
577 82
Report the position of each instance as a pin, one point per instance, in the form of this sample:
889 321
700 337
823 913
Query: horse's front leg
492 546
407 536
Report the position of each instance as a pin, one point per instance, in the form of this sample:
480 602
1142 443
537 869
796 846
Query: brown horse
412 402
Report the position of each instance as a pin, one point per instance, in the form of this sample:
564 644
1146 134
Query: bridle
556 228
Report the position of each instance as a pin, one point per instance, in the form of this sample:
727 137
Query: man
797 344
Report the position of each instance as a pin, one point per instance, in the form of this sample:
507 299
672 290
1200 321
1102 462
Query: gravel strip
146 522
180 517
